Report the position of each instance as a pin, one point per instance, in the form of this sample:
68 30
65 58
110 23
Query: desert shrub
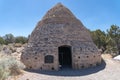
6 50
15 67
13 49
9 66
17 45
3 73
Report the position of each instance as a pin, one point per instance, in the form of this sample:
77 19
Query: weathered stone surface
59 27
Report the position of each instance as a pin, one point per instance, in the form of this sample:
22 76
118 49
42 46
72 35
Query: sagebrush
9 66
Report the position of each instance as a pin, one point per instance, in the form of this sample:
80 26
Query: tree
9 38
21 39
114 33
100 39
2 41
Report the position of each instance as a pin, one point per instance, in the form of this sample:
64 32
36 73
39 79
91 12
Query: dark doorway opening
65 58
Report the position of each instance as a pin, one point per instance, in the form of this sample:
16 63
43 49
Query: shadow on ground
70 72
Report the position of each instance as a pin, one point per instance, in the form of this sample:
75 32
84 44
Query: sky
20 17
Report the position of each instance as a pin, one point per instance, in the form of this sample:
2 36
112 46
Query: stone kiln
60 40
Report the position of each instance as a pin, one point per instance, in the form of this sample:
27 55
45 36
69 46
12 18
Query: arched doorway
65 56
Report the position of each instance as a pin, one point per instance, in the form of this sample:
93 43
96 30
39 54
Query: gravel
108 70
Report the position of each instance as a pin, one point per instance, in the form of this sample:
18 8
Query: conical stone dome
59 28
62 17
59 11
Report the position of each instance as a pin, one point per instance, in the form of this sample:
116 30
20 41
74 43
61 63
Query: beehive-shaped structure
60 40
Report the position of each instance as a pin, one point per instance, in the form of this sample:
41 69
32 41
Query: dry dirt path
110 70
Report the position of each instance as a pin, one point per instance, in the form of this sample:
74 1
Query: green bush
9 66
21 39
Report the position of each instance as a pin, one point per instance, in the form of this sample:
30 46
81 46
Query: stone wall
84 53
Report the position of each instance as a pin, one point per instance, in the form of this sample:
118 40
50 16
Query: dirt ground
108 70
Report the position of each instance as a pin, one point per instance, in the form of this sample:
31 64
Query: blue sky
20 17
